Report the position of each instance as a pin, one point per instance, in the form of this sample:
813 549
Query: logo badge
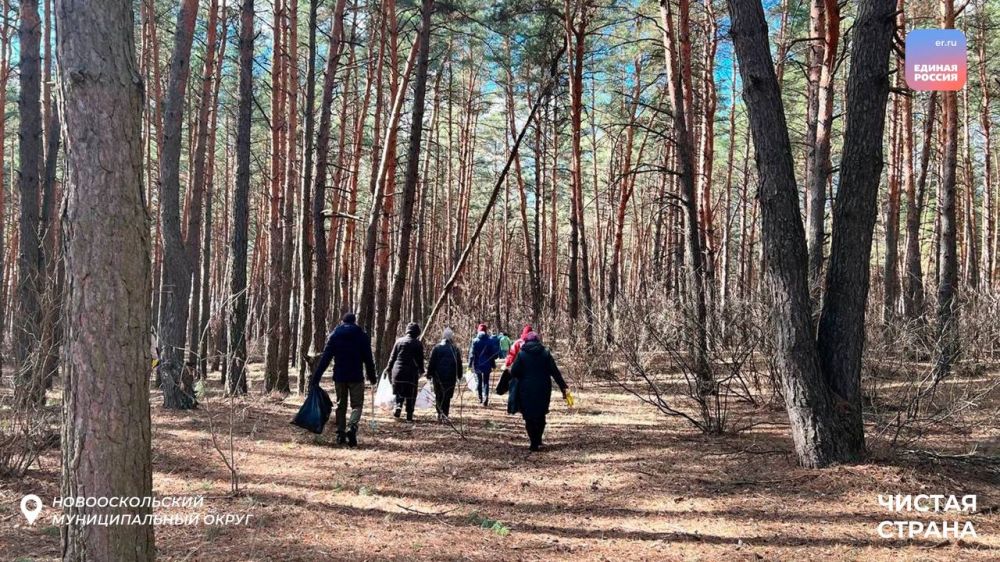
936 59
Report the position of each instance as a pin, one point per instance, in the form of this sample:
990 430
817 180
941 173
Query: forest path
617 482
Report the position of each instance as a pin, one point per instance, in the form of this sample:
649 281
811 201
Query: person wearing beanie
406 364
534 369
443 369
350 349
516 346
482 359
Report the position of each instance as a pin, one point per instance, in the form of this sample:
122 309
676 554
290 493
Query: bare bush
27 429
904 399
654 342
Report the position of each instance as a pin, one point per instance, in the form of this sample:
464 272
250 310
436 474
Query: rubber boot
352 437
341 438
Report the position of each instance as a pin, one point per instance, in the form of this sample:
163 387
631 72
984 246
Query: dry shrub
653 344
27 429
904 401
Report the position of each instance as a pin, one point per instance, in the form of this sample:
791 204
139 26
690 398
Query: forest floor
617 481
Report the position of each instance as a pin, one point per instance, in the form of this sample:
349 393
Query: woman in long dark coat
443 369
406 364
534 369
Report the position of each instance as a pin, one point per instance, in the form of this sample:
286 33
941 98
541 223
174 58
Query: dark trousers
535 427
410 402
355 392
483 387
442 397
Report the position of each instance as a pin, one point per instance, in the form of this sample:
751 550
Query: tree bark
627 183
821 166
175 285
106 424
193 239
321 262
890 275
986 124
237 315
305 205
366 298
685 157
291 182
821 431
947 315
5 53
412 169
27 319
913 281
841 335
276 323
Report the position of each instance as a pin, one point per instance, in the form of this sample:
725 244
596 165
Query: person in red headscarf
532 374
512 352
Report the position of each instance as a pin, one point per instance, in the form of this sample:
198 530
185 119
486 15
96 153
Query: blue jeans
483 387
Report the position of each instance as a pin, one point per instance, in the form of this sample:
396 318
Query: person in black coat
533 371
443 369
350 349
406 364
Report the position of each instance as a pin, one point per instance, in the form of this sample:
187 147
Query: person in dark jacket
534 369
482 358
350 349
443 369
406 364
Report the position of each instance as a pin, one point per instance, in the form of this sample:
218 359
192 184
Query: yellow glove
569 399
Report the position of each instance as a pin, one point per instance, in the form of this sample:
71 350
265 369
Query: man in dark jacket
534 369
443 369
482 357
406 364
350 349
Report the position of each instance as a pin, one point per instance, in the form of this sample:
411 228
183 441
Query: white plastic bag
425 398
384 398
471 381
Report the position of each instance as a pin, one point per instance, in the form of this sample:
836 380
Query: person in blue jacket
350 349
482 358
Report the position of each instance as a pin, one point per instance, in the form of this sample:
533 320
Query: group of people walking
527 375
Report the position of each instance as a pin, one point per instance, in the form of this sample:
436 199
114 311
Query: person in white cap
443 369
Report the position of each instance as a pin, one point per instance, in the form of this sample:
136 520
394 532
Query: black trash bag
503 385
513 400
315 411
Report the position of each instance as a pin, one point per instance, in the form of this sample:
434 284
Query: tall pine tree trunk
27 317
195 243
321 262
175 284
236 381
698 312
305 205
106 425
823 405
913 282
947 316
841 335
412 169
